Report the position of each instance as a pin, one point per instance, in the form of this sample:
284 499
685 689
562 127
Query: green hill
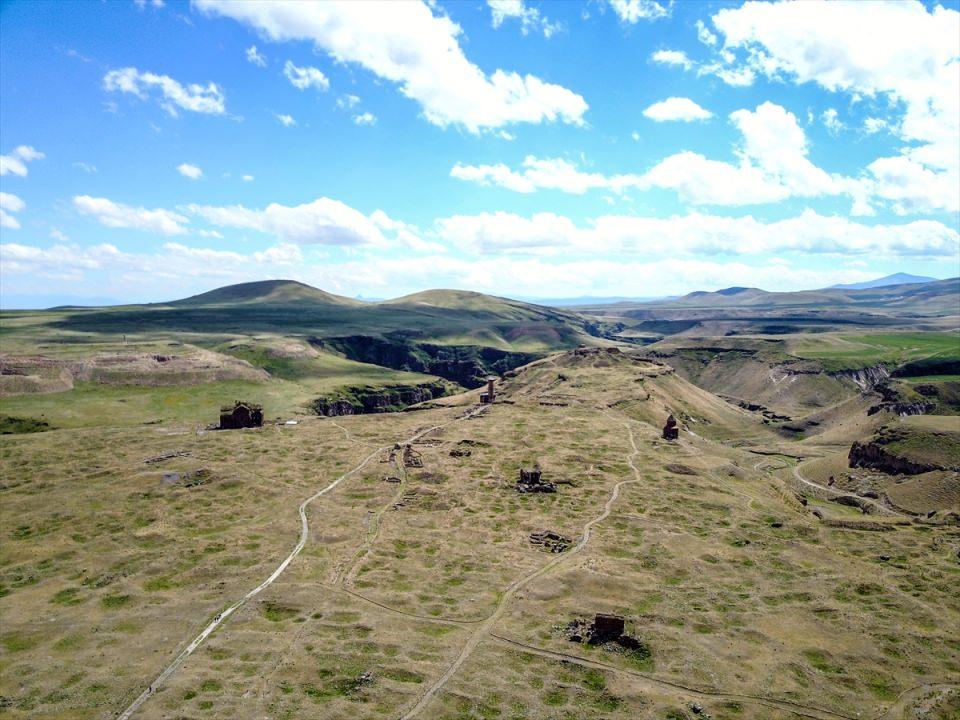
269 292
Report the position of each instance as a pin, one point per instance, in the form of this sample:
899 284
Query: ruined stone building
671 431
488 395
241 415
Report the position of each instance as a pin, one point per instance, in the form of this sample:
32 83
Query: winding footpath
222 617
518 584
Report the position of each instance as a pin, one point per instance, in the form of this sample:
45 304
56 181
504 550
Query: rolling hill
269 292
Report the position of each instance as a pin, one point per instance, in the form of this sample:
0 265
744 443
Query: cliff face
864 378
909 448
873 455
361 401
466 365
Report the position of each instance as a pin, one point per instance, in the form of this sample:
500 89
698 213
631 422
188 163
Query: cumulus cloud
173 265
677 108
772 165
529 17
190 171
696 235
206 99
248 178
10 204
305 77
902 51
16 162
118 215
633 11
831 121
541 173
322 222
285 120
345 102
672 57
255 57
365 118
405 43
178 270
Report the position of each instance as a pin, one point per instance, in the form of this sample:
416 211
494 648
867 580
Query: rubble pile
550 541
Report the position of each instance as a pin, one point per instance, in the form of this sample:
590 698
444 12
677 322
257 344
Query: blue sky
625 147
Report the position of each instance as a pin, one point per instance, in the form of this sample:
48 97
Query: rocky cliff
361 400
864 378
466 365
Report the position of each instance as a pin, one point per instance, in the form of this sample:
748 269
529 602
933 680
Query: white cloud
255 57
911 187
695 235
58 235
323 222
701 181
405 43
541 173
173 264
774 141
677 108
632 11
831 121
248 178
345 102
10 204
285 120
16 162
207 99
900 50
86 167
772 165
704 35
873 125
304 77
672 57
118 215
529 17
141 4
365 118
190 171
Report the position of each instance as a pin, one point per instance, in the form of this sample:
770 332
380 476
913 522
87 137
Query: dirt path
654 685
518 584
836 493
222 617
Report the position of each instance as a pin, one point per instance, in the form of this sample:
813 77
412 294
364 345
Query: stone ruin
603 629
550 541
488 395
531 481
671 430
412 458
241 415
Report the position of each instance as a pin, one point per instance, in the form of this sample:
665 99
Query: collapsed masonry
550 541
531 481
412 458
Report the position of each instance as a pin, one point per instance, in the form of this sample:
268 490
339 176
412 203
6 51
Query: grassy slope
843 351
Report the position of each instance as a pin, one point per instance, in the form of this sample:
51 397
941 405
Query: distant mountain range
895 279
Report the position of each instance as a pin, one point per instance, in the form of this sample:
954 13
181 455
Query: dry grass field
423 597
